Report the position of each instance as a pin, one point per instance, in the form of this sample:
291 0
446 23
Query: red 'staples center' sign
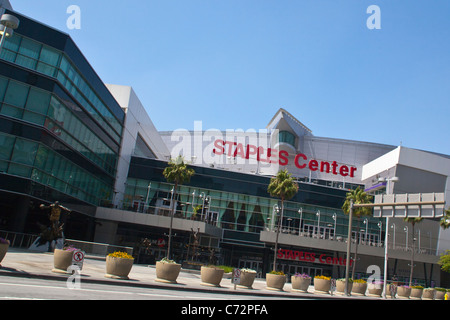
269 155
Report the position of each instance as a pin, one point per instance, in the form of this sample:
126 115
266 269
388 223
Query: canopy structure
414 205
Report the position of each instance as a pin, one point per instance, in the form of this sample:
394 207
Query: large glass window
33 105
287 137
23 157
15 99
34 55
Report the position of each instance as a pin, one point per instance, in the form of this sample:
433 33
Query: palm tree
176 172
413 221
358 196
284 187
445 221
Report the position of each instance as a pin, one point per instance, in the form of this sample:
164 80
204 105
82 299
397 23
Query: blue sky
233 63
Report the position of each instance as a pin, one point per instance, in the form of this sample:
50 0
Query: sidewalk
24 263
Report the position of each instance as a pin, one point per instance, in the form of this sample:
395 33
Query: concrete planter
340 286
440 295
322 285
416 293
275 281
428 294
375 289
359 288
247 279
167 272
403 292
62 260
211 276
300 284
3 250
118 268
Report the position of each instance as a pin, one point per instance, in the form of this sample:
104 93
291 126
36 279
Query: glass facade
60 128
43 108
213 196
36 56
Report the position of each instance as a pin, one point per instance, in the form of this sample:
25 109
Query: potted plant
359 287
118 265
62 259
4 246
404 291
322 284
167 271
300 282
375 288
275 280
340 285
440 293
247 278
211 276
428 294
227 271
416 292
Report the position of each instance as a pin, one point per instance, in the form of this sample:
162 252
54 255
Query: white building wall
137 122
422 160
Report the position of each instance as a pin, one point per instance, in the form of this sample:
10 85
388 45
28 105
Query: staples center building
66 136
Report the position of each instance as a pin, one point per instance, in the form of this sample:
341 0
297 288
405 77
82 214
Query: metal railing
17 239
24 240
95 248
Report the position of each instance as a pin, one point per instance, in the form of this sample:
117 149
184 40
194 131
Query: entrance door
252 264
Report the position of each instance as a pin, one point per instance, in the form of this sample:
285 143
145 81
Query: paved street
20 288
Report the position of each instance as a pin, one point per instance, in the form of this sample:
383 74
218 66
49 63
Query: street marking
156 294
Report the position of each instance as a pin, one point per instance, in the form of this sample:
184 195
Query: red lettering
300 155
280 254
324 164
312 257
253 152
343 171
230 146
301 256
320 258
274 157
283 158
334 165
313 165
260 152
290 255
219 145
239 151
352 172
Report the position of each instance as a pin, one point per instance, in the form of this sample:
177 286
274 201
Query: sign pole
349 240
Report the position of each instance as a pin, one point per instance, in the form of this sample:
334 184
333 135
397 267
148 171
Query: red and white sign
295 255
78 258
236 276
161 243
269 155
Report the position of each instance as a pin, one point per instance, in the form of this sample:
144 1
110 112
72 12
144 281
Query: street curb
179 287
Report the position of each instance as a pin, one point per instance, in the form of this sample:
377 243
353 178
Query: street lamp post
406 232
335 219
349 237
366 222
388 190
300 230
8 23
318 224
380 225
